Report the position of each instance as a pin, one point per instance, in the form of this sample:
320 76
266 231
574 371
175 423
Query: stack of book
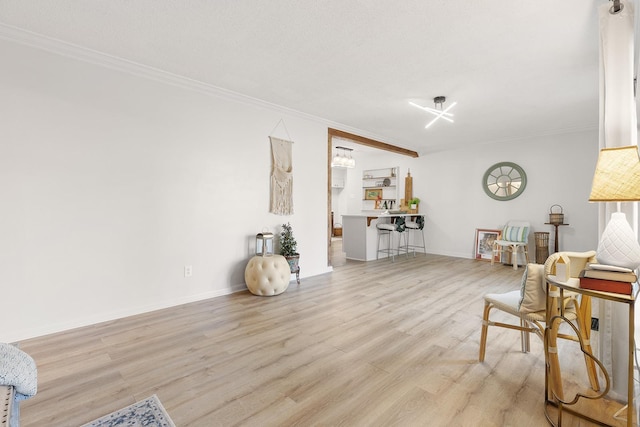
608 278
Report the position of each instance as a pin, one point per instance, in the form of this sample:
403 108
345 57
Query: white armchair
515 237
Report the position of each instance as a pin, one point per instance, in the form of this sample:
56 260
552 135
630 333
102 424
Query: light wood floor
371 344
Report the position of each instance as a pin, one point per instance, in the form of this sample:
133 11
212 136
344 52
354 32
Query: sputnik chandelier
438 111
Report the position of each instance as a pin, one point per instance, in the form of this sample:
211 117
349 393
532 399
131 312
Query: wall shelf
380 189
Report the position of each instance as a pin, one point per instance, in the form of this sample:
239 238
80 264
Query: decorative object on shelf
373 194
606 285
504 181
562 268
408 186
617 179
610 272
281 200
289 249
413 203
342 161
380 189
264 244
438 111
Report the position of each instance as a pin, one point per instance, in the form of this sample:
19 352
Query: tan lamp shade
617 175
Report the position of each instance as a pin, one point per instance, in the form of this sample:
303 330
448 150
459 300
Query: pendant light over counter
343 161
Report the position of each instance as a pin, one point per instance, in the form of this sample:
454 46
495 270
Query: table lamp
617 179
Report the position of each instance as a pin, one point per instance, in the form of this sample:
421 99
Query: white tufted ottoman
267 276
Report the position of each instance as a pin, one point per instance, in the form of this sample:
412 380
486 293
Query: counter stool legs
389 229
386 230
413 228
403 248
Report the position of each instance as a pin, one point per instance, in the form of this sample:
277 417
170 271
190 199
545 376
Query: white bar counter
360 235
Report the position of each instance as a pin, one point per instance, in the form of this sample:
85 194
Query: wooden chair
515 238
528 306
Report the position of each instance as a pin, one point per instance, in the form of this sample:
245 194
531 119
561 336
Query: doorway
334 243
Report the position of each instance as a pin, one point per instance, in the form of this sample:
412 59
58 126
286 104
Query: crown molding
95 57
81 53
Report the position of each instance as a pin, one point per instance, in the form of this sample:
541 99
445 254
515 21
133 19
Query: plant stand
294 266
298 275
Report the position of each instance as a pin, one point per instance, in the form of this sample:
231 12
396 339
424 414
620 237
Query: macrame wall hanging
281 200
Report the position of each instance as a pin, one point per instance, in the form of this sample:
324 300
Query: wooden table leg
553 363
584 326
554 383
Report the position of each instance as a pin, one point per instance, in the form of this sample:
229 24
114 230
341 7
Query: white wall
559 169
111 183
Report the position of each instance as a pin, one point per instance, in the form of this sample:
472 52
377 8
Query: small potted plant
289 249
413 203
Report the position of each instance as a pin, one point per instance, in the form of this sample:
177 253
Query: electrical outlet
188 270
595 324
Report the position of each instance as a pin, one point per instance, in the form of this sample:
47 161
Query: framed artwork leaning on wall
484 243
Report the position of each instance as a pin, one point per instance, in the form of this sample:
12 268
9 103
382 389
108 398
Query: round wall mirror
504 181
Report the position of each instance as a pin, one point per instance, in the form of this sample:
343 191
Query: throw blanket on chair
18 369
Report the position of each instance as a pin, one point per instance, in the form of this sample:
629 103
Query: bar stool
413 228
388 229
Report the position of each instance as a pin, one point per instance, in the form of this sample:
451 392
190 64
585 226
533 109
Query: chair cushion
532 291
418 224
515 234
386 226
508 301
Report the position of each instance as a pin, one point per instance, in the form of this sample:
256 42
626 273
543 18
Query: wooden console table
555 315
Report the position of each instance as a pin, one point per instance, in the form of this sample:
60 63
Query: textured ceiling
516 69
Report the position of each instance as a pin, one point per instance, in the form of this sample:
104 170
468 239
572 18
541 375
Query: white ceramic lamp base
618 244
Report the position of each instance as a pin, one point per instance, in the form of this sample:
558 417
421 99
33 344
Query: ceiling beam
372 142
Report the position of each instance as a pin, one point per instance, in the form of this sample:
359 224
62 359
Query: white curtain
618 127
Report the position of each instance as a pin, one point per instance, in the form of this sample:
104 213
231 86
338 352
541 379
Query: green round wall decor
504 181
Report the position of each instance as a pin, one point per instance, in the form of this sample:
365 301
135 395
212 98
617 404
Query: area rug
147 413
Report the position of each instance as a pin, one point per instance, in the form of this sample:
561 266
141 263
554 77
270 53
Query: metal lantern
264 244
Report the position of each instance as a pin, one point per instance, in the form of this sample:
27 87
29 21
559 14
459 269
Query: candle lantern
264 244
